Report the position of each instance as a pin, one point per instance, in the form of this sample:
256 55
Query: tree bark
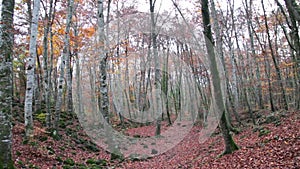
294 13
230 145
6 82
242 73
31 70
248 9
233 101
64 60
68 64
48 17
278 73
156 67
104 102
293 9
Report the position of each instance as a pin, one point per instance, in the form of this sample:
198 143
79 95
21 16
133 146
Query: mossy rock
271 118
69 161
67 167
100 162
59 159
153 151
137 136
43 138
138 157
25 141
92 148
94 166
81 166
115 156
54 134
50 150
263 132
33 166
62 124
18 153
33 143
78 141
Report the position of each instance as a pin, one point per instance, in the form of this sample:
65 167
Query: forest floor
274 143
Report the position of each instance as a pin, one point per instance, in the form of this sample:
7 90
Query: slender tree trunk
68 64
104 101
292 38
230 145
48 17
294 13
50 71
78 74
6 82
29 12
156 67
235 70
233 102
293 9
49 81
274 59
248 9
30 70
267 68
45 73
38 86
64 60
242 72
165 80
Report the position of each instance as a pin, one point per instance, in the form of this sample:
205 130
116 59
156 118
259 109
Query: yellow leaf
39 50
61 31
90 31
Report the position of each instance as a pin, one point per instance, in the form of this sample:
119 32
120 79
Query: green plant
263 132
69 161
41 117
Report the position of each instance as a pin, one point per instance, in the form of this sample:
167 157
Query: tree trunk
293 9
230 145
267 66
156 67
31 70
278 73
6 82
248 9
294 13
38 86
45 64
45 70
104 102
242 73
78 73
233 101
69 67
49 81
65 59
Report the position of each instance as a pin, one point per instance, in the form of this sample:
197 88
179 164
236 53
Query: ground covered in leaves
273 143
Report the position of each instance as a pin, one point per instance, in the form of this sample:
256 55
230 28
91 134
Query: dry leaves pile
272 145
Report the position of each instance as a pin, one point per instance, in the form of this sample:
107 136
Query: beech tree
261 61
294 14
65 64
104 102
230 145
30 68
6 82
258 88
275 62
156 64
49 16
